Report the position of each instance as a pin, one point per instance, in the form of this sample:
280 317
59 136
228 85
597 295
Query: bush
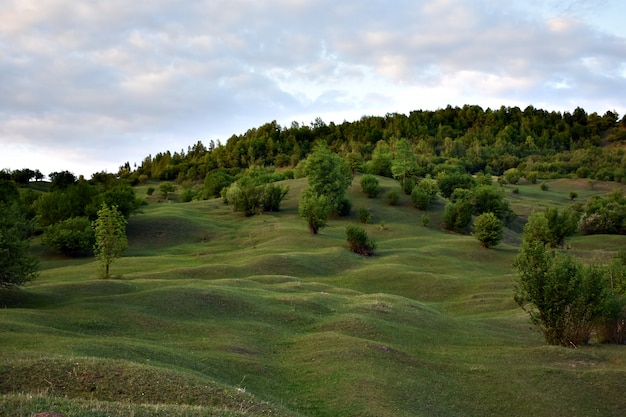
532 176
370 185
72 237
364 215
150 191
487 230
544 186
456 216
420 198
344 207
393 196
358 241
425 219
273 196
512 175
187 195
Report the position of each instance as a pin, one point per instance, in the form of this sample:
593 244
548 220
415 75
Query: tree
370 185
488 230
447 183
110 233
563 298
512 175
72 237
404 164
315 209
328 175
166 188
457 215
17 266
359 242
61 180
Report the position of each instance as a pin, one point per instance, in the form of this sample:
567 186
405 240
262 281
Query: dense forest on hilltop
475 140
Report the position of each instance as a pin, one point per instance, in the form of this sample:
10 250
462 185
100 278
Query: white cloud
92 76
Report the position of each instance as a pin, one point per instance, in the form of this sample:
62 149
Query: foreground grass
215 314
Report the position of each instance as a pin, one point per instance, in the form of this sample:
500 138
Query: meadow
210 313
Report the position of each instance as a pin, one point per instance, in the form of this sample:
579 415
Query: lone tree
111 242
328 175
17 266
315 209
359 242
166 188
488 230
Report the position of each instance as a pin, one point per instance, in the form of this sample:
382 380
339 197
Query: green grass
212 313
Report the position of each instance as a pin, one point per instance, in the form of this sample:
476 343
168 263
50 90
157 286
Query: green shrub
425 219
487 230
370 185
315 209
544 186
393 196
456 216
344 207
364 215
358 241
187 195
273 196
150 191
420 198
72 237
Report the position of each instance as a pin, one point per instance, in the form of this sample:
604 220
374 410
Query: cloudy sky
86 85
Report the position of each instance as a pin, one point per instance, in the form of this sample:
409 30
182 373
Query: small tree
393 196
166 188
110 231
370 185
315 209
488 230
359 242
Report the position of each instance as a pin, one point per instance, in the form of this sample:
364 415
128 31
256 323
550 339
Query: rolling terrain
212 313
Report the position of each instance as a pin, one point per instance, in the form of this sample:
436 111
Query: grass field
211 313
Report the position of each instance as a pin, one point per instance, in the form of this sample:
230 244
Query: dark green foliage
393 196
563 298
456 216
560 225
150 191
72 237
187 195
544 186
531 177
215 182
449 182
344 207
488 199
420 198
408 185
573 195
17 266
315 209
8 192
487 230
273 196
359 242
365 216
425 219
370 185
61 180
381 161
76 200
121 196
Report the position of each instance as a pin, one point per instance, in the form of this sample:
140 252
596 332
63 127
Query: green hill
212 313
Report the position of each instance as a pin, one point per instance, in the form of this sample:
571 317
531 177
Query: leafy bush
544 186
358 241
425 219
273 196
150 191
512 175
215 181
488 230
364 215
563 298
344 207
604 215
420 198
450 182
393 196
187 195
456 216
72 237
370 185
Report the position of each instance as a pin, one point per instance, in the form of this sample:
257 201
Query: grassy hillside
211 313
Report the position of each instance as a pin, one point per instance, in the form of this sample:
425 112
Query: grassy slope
216 314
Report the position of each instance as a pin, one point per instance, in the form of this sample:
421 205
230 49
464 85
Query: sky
87 85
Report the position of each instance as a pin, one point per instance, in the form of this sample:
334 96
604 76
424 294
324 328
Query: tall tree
111 241
17 266
404 164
